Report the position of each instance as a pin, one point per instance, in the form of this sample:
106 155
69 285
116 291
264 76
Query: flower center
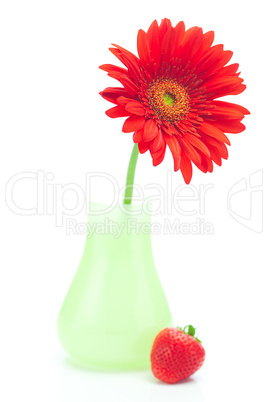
168 99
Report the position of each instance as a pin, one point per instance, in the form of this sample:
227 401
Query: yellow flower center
168 99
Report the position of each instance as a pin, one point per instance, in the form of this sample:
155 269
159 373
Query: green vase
115 305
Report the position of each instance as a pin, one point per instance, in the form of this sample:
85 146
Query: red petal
168 45
175 149
143 146
214 132
228 86
168 129
206 165
125 52
198 144
190 151
111 68
153 38
143 48
229 126
229 70
210 165
180 31
137 136
235 91
191 43
208 58
231 106
174 146
135 107
133 123
215 83
112 94
128 59
215 156
150 130
122 100
225 113
117 111
163 28
186 168
218 64
208 39
158 142
158 157
221 147
177 164
129 85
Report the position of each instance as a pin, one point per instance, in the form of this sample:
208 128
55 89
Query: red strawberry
176 354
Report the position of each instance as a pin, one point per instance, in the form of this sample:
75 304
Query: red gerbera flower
169 92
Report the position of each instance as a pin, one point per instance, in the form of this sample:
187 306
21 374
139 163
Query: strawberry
176 354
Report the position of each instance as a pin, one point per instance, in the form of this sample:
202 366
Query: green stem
131 174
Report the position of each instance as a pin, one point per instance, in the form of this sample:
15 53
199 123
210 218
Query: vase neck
119 227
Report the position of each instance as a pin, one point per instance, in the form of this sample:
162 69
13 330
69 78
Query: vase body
115 305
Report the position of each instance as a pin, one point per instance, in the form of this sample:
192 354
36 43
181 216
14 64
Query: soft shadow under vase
115 305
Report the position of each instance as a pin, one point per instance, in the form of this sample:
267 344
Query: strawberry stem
190 330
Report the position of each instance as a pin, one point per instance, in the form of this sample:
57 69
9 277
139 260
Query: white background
53 121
